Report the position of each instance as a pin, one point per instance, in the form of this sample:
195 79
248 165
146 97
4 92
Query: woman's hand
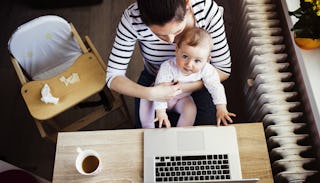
165 91
161 92
162 117
223 115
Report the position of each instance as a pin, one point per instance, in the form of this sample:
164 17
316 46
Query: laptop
195 154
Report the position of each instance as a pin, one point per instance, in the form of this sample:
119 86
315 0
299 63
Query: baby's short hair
195 36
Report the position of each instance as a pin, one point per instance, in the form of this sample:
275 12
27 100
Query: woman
155 25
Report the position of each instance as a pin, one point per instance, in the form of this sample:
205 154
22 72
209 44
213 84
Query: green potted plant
307 28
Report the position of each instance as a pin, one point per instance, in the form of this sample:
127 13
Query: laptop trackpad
190 140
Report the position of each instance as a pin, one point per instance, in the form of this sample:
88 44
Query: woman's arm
161 92
191 87
223 76
197 85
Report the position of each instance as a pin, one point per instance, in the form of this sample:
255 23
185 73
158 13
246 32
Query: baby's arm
223 115
212 82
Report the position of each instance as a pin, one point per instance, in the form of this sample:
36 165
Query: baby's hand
162 117
224 115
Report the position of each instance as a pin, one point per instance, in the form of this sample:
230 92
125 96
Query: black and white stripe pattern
154 50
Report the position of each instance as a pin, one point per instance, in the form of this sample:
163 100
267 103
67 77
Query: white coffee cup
88 162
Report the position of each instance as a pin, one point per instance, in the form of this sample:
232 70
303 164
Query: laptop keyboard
192 168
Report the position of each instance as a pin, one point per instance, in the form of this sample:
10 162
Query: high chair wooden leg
51 137
41 130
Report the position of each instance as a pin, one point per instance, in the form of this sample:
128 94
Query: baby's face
191 59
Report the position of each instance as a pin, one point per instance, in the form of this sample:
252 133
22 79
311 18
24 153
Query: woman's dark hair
160 12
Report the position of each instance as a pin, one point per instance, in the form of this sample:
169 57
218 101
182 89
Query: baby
191 64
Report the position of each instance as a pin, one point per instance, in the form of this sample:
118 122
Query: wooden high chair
48 50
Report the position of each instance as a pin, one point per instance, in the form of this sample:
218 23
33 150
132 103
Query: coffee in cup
88 162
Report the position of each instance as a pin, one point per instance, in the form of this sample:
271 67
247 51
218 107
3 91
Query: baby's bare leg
187 110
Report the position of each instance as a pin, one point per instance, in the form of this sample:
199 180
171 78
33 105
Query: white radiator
270 89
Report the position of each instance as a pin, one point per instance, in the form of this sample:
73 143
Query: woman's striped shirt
155 51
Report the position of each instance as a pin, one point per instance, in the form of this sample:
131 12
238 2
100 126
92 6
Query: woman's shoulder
203 4
132 13
133 16
132 8
131 19
204 11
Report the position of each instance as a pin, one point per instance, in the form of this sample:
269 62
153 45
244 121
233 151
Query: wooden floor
20 142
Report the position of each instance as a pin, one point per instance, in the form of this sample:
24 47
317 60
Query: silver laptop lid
189 141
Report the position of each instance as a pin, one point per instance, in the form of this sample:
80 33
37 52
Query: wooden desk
122 154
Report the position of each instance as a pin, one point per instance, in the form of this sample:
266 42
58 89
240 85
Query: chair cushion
44 47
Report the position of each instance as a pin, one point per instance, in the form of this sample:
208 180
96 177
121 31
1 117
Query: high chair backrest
44 47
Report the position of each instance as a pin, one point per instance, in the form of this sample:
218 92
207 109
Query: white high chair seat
48 47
